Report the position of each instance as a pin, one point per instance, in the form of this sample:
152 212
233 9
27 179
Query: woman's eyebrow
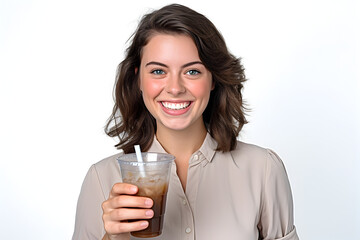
156 63
164 65
191 63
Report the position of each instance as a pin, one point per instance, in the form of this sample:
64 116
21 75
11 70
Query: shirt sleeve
88 221
276 219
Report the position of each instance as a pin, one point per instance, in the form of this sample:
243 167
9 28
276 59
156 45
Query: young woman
179 91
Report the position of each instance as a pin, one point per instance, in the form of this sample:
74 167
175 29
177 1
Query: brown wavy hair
224 115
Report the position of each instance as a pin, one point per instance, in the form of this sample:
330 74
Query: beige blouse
243 194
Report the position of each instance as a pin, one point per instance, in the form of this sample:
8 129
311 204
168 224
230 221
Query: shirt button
196 157
188 230
184 201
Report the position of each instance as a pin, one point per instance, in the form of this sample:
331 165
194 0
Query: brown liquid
157 192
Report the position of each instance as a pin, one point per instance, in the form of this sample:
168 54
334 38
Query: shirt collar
156 146
207 149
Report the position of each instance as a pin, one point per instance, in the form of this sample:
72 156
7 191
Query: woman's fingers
122 206
122 214
127 201
123 188
131 201
114 228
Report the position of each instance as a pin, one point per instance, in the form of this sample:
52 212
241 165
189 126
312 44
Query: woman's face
174 82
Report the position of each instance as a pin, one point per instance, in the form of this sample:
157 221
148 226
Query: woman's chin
174 125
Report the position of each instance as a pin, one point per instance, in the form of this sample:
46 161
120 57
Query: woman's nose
174 85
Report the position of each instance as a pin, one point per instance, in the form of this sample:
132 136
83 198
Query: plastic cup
152 178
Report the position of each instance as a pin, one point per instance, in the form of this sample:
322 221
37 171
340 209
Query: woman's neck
182 143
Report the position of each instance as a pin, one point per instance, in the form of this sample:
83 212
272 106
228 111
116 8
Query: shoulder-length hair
224 115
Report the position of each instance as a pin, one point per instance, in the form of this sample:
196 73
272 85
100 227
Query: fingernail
149 213
148 202
144 224
133 189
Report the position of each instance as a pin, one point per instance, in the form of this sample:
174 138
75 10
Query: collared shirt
242 194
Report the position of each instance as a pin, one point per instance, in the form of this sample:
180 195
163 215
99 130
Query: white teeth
175 106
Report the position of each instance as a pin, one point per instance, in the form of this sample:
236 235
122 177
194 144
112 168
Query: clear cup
152 178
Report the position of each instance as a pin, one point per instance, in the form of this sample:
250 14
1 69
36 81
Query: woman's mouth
175 106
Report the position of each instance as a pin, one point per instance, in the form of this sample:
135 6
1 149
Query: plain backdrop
58 62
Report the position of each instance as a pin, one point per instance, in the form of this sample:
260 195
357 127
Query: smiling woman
178 91
223 117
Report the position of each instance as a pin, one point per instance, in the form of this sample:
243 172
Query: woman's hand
122 206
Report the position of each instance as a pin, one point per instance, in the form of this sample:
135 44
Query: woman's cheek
152 87
200 88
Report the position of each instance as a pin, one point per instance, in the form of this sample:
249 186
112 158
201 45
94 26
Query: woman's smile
175 108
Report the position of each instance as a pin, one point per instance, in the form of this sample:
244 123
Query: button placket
188 228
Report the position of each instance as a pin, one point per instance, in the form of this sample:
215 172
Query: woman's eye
192 72
157 72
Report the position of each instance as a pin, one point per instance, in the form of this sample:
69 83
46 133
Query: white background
57 70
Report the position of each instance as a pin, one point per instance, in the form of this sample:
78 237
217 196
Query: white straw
140 160
138 153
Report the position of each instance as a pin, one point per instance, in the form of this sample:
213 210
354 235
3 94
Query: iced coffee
151 177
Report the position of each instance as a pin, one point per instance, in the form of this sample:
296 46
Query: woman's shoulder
244 149
106 172
246 153
108 163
